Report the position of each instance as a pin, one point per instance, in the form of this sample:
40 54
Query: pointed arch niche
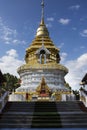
42 54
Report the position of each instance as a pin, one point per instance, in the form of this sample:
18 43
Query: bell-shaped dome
42 29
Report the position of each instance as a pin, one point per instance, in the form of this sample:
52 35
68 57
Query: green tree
68 86
12 82
2 79
2 83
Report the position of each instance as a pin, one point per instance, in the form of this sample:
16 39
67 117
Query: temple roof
84 80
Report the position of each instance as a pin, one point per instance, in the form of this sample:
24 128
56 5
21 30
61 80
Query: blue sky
66 21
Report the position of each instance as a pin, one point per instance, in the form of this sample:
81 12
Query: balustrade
3 101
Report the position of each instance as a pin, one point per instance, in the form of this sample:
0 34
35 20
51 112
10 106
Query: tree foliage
8 82
67 86
2 78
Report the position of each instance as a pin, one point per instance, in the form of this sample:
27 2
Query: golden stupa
42 60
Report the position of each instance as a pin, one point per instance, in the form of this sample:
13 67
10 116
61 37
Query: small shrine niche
43 55
43 88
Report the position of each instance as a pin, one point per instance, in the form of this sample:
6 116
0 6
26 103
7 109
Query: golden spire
42 30
42 4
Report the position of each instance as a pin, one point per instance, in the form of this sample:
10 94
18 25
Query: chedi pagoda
42 74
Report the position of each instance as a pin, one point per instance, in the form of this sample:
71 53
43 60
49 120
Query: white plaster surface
31 80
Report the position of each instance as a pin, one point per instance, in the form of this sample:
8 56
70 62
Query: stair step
44 115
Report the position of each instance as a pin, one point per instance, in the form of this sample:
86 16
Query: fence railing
83 96
3 101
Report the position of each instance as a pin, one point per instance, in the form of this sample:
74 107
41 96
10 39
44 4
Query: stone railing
83 96
3 101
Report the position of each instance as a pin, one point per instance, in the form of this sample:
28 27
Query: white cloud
9 35
82 61
48 25
74 7
74 28
64 21
63 56
77 69
82 47
61 45
10 62
12 53
51 19
84 33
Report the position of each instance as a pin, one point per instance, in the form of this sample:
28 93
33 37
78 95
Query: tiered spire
42 30
42 4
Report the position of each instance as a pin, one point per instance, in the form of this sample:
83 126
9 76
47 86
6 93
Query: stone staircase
70 114
17 115
46 115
